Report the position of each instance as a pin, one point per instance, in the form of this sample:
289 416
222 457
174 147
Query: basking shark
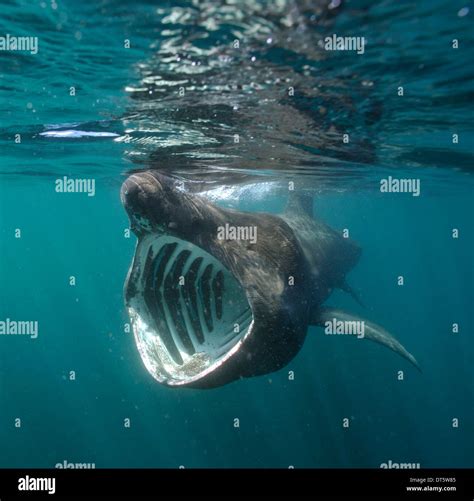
209 304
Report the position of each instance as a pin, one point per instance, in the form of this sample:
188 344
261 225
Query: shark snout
139 188
142 196
156 203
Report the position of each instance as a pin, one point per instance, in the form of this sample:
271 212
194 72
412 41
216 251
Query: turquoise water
133 94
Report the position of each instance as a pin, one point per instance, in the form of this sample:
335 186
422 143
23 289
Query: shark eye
141 222
188 311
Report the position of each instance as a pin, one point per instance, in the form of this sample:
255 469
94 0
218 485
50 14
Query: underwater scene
236 234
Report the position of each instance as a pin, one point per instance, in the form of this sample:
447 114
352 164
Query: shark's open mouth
189 313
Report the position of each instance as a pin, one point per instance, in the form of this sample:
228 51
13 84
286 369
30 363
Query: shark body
207 310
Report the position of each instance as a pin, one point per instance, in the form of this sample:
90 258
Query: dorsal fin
300 201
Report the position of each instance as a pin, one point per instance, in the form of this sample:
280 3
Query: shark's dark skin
287 274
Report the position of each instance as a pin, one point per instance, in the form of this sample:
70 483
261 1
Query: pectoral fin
372 331
355 296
